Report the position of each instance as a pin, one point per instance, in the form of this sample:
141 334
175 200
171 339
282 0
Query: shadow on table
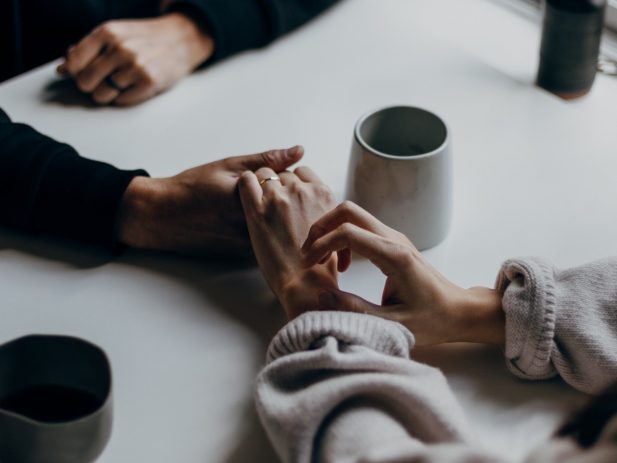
226 284
483 369
54 249
64 92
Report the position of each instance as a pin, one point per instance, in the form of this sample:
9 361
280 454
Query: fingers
81 55
344 260
306 174
288 178
340 300
264 175
251 193
126 77
346 212
277 160
95 73
135 95
349 236
104 94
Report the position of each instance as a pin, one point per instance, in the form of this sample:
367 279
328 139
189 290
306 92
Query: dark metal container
571 35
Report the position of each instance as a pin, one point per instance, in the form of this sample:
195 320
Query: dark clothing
46 187
33 32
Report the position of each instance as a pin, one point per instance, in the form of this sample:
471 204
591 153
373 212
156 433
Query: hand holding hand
128 61
197 211
415 294
279 215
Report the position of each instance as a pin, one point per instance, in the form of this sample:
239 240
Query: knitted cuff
381 335
528 294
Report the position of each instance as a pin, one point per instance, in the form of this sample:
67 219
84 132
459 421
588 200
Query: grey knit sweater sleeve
340 387
561 322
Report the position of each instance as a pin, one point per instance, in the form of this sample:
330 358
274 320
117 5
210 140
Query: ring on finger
269 179
109 80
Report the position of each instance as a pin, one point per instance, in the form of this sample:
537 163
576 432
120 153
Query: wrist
200 44
301 293
138 213
480 317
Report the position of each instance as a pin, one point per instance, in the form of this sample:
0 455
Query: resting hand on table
197 211
279 215
129 61
415 294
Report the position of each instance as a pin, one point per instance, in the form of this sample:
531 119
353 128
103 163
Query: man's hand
197 211
128 61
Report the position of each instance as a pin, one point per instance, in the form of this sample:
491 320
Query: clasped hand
129 61
301 239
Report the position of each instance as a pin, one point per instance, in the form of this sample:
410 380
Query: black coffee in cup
51 403
55 400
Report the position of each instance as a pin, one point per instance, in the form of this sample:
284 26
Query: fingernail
61 69
327 300
291 153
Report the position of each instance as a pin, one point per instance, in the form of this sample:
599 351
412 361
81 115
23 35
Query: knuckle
106 32
127 54
279 202
269 158
102 100
346 229
84 82
323 191
346 208
403 255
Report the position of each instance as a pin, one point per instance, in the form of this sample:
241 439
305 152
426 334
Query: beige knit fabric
341 387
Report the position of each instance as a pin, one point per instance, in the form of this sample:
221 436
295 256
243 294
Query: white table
534 175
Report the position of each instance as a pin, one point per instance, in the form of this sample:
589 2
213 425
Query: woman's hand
197 211
415 294
279 215
129 61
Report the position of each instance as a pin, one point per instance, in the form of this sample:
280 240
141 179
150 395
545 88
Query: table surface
534 175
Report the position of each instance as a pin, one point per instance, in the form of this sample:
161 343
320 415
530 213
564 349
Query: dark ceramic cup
55 400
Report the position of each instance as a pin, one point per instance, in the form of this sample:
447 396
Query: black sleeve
237 25
46 187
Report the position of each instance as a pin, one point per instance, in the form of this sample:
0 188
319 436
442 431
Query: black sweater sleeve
46 187
237 25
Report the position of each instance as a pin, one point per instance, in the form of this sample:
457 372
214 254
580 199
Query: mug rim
104 407
393 157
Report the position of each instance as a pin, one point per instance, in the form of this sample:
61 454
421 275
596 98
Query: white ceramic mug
400 171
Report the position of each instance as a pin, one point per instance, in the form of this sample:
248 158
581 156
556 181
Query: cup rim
372 150
104 407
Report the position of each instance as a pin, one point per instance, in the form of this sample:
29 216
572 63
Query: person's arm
46 187
126 62
561 322
340 387
239 25
552 322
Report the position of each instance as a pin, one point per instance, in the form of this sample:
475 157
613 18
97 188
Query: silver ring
270 179
109 80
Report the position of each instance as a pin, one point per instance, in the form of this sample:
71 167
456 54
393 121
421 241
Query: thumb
277 160
348 302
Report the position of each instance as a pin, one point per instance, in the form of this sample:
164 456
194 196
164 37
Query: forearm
342 385
244 24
